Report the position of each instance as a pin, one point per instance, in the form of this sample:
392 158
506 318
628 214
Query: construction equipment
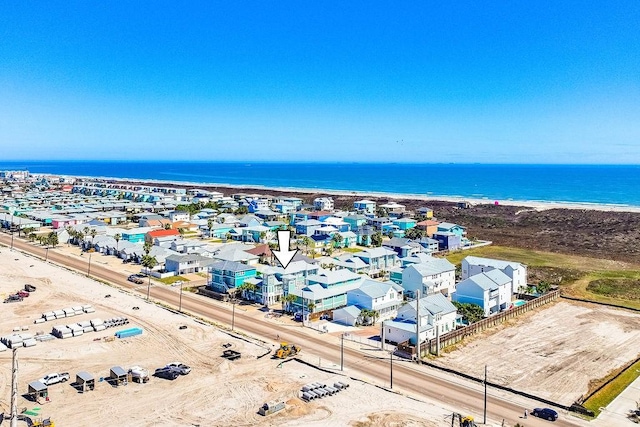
44 423
287 350
464 421
271 408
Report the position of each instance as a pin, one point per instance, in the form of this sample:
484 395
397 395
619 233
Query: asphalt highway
371 365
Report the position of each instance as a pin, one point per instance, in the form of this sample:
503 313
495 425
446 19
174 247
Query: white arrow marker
284 254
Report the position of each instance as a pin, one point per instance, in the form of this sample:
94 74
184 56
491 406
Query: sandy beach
538 205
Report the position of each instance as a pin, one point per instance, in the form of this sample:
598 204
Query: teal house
227 275
405 223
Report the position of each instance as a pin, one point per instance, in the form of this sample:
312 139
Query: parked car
23 294
180 367
166 373
298 316
54 378
135 279
29 288
546 413
13 298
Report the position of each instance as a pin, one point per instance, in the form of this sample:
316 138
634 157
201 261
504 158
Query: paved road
371 365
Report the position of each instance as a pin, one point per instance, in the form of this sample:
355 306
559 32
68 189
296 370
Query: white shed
346 315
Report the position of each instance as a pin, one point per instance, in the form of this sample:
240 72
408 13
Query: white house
175 216
436 314
323 204
473 265
382 297
348 315
490 290
433 275
365 206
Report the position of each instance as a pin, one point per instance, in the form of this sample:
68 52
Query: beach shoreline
538 205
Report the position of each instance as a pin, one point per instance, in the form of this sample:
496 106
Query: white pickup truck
54 378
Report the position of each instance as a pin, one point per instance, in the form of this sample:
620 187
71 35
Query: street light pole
148 285
46 256
180 305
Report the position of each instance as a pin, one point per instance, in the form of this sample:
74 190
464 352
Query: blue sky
491 81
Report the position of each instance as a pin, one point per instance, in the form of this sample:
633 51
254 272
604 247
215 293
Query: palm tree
263 235
117 238
32 236
248 287
149 262
52 239
306 241
311 305
71 232
288 300
210 225
93 234
337 240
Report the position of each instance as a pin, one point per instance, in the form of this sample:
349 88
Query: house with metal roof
187 263
490 290
433 275
382 297
436 315
473 265
378 259
228 275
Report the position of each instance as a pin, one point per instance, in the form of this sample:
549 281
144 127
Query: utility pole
233 314
89 269
180 304
391 367
342 352
485 394
417 326
14 388
46 256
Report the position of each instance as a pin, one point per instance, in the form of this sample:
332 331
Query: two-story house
323 204
383 297
365 206
378 259
186 263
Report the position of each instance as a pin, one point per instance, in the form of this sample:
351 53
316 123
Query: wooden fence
453 337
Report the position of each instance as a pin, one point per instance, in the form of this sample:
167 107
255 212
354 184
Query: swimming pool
518 303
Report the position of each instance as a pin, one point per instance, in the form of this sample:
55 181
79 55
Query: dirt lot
553 352
217 392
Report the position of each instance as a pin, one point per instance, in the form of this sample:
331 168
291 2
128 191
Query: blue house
405 223
447 227
448 241
355 221
227 275
284 207
365 206
308 228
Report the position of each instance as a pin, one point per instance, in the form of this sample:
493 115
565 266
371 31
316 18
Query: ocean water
601 184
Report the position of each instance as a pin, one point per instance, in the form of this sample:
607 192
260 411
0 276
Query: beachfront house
490 290
433 275
436 316
473 265
425 212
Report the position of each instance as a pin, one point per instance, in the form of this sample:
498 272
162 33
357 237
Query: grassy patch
605 396
352 250
616 288
574 274
172 279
